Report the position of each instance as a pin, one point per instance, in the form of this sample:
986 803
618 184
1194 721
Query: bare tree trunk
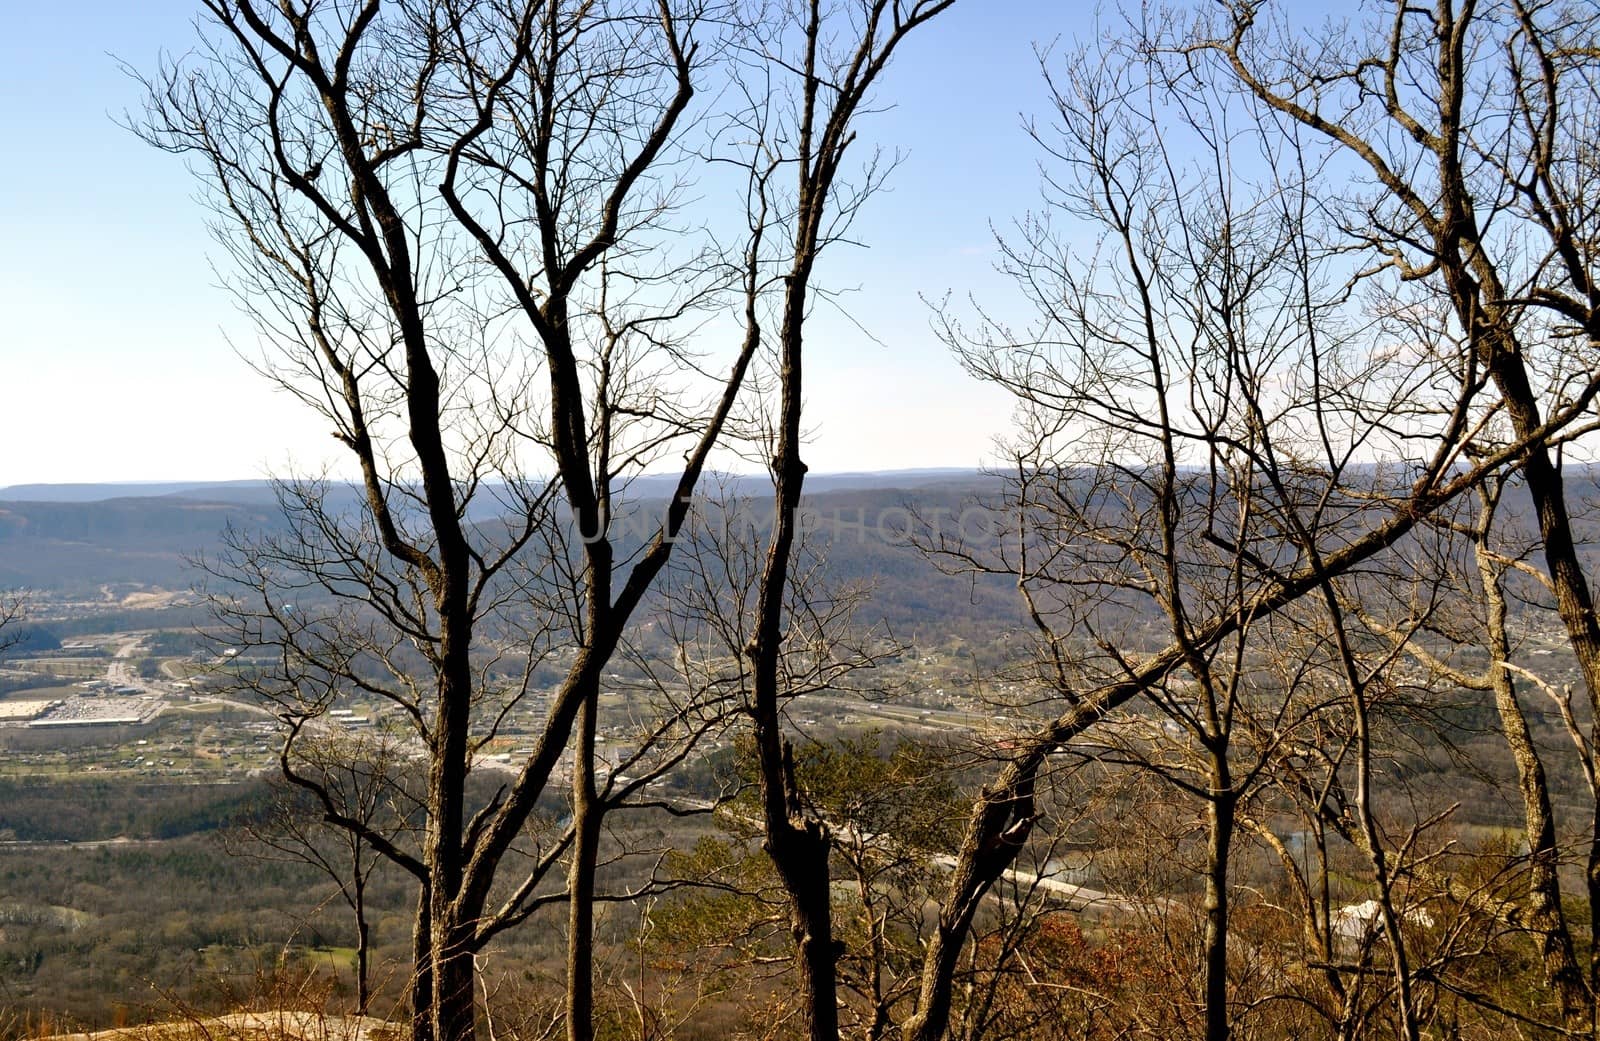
455 979
1545 915
798 846
1220 813
454 989
1001 821
832 89
363 942
1574 601
422 969
586 815
363 978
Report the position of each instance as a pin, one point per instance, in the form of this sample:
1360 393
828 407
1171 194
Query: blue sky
115 347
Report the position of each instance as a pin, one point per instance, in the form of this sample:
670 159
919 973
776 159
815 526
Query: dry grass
280 1001
277 1025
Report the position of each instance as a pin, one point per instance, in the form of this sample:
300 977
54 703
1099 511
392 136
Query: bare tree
13 608
842 55
431 208
364 775
1470 124
1492 574
713 610
1215 426
1471 120
840 59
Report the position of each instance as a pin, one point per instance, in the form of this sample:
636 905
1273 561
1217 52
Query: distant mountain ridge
77 492
261 491
74 539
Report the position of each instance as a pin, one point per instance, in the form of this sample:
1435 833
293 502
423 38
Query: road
120 842
1072 897
119 670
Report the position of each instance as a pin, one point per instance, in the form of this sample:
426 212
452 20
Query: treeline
97 937
45 810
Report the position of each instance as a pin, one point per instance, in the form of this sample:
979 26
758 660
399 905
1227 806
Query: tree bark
454 991
1220 813
587 816
422 969
363 944
1001 821
1546 918
452 951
